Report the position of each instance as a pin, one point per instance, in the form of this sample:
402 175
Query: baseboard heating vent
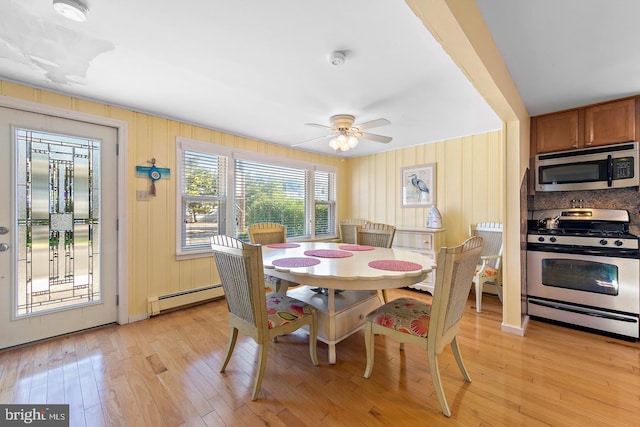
156 305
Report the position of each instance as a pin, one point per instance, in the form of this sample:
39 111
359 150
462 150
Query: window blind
269 193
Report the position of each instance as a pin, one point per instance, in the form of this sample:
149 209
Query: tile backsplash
615 198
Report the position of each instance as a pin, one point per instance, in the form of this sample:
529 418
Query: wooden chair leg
456 353
263 349
437 383
313 339
479 286
368 343
232 344
499 288
384 296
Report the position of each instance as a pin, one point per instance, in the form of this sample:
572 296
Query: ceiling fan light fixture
76 10
343 142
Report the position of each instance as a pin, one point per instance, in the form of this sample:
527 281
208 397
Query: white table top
351 272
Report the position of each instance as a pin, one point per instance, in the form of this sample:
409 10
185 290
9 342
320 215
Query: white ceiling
567 53
260 68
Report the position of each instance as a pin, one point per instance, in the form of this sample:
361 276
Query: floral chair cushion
282 309
406 315
488 271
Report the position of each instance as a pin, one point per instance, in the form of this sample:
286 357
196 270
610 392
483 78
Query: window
216 183
324 203
202 197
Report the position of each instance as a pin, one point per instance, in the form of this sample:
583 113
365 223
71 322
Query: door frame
122 128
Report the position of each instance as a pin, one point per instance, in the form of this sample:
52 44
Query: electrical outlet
142 195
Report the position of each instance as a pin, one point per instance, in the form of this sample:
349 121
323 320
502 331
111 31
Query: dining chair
375 234
489 270
261 316
266 233
431 326
348 229
378 235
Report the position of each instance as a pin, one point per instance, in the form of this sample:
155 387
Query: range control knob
540 239
553 239
603 242
618 243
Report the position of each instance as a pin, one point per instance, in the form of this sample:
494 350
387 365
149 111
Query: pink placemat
328 253
283 245
356 248
394 265
295 262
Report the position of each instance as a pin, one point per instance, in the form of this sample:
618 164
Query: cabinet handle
588 144
575 145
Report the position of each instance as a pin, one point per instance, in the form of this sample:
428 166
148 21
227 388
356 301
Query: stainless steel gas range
583 269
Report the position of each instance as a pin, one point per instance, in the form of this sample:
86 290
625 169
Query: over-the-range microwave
608 166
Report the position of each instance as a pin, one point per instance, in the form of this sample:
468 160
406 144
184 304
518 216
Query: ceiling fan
344 135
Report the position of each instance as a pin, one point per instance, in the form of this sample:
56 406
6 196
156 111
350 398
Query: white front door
58 226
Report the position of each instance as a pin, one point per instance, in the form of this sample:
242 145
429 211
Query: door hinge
117 299
117 224
117 149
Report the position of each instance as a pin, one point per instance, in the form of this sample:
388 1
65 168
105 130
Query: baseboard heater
156 305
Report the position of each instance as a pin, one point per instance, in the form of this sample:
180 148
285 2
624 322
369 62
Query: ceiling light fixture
344 141
76 10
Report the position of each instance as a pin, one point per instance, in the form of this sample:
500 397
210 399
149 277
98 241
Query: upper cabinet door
610 123
557 132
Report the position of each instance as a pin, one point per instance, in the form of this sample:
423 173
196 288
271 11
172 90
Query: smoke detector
337 58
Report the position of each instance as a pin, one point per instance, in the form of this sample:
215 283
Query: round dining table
357 271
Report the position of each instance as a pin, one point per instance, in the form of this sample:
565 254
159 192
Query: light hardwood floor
164 372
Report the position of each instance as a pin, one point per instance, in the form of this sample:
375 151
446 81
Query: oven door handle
578 250
580 311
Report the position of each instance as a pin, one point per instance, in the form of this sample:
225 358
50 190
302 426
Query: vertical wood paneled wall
470 180
153 268
469 171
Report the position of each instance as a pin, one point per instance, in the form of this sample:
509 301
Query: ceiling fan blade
372 124
318 125
311 140
376 138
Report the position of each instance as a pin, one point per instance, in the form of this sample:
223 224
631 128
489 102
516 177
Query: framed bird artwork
418 186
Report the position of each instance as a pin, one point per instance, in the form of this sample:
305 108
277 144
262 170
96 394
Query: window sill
198 253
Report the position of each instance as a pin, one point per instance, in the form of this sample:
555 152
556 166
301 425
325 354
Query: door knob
4 230
4 247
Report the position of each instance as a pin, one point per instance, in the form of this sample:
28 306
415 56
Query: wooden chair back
265 233
348 229
453 282
241 273
375 234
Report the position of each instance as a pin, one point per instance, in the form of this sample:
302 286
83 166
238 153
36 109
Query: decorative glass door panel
58 221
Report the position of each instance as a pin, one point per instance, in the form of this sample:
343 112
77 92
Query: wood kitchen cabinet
610 123
426 241
600 124
557 131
